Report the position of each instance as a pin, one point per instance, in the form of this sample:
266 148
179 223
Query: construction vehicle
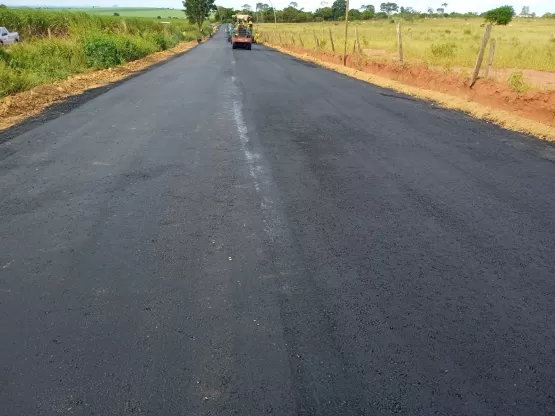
243 32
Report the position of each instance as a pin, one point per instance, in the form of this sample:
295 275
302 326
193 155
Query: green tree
289 14
258 9
355 14
368 12
197 11
500 16
224 15
268 13
389 8
326 13
338 8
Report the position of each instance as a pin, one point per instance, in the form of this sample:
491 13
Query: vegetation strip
503 118
55 45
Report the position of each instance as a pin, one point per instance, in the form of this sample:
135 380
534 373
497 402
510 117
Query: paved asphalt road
241 233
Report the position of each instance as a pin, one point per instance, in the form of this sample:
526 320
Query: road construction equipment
243 32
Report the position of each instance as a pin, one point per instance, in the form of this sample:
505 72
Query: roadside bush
4 56
50 60
516 81
467 31
164 41
133 48
104 51
12 81
444 49
26 65
101 51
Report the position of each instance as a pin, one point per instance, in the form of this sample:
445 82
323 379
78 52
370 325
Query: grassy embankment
57 44
448 43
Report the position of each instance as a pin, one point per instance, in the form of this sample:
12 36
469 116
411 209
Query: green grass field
129 12
524 44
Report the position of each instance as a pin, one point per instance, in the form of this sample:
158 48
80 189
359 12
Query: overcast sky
538 6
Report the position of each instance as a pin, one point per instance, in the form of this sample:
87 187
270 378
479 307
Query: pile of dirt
535 105
18 107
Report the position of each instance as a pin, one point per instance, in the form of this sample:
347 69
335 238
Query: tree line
198 10
263 12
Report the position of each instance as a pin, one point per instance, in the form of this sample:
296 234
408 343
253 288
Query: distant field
130 12
448 43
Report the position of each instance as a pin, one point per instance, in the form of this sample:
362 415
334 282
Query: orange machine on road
243 33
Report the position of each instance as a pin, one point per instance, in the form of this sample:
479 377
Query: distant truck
7 37
243 32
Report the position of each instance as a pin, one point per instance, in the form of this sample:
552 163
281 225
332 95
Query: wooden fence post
331 40
301 40
279 33
400 42
346 33
490 57
480 57
358 41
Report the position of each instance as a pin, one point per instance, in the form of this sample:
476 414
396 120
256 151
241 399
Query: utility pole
346 31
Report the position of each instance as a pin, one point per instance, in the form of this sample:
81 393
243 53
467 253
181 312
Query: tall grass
35 23
57 44
525 44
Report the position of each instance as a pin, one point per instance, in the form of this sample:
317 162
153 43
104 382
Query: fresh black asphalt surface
241 233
